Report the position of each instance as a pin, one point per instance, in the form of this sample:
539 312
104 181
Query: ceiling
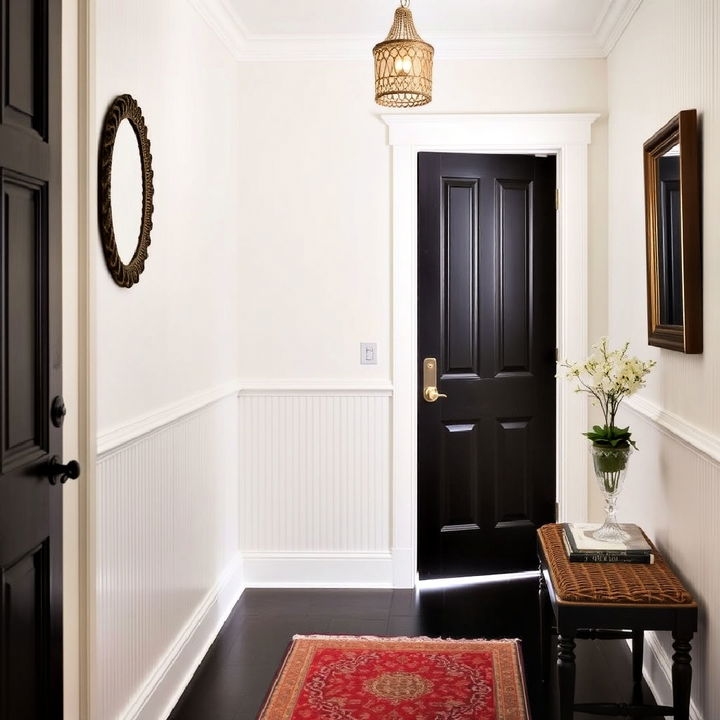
319 29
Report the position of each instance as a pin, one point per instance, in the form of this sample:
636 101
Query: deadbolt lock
430 391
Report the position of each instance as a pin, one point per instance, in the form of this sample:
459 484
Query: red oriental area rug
373 678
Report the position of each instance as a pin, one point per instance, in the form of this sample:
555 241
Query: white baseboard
657 671
159 695
404 567
318 570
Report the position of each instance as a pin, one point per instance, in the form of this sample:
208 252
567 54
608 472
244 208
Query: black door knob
63 473
58 411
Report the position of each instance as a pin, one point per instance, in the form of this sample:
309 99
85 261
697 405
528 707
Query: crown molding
225 23
613 24
245 46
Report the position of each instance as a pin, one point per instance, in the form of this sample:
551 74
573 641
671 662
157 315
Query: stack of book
581 546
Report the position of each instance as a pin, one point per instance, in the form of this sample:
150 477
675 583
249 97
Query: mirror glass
673 223
127 191
669 237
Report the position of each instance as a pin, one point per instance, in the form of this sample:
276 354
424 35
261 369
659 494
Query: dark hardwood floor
234 677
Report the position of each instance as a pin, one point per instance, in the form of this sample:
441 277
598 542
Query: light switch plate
368 353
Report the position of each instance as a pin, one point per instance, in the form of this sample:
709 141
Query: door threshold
457 582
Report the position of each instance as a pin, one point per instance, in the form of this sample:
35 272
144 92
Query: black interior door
486 314
30 360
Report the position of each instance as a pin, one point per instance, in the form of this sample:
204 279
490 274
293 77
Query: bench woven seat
602 583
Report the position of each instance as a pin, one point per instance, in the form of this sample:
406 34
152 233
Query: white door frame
565 135
88 132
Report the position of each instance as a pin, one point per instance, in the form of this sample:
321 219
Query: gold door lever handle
430 391
431 394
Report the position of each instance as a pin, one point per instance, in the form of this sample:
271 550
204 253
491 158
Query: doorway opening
565 136
486 358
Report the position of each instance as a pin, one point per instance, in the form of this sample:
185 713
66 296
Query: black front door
30 360
486 331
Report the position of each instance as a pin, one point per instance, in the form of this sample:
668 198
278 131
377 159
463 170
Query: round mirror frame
124 107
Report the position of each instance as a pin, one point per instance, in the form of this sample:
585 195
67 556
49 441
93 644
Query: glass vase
610 466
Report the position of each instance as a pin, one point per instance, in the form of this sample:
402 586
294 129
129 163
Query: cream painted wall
167 499
316 266
667 61
175 333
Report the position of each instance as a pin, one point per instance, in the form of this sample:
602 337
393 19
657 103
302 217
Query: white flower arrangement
609 376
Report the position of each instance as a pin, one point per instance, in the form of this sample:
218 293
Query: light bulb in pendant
403 65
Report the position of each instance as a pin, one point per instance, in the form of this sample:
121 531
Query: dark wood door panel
30 361
459 509
25 633
460 329
486 310
23 318
25 61
513 234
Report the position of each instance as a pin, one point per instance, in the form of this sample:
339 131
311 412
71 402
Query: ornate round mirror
125 190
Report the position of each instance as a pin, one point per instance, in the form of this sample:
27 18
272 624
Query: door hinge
557 198
557 354
557 511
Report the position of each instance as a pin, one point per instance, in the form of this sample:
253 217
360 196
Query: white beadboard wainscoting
315 486
673 492
168 570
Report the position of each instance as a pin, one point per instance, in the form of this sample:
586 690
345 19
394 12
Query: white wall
316 205
667 61
175 333
164 502
317 267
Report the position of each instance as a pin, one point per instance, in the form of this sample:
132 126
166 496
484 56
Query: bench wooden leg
638 638
566 675
681 676
545 628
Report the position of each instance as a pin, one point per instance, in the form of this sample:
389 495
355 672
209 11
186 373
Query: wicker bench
607 601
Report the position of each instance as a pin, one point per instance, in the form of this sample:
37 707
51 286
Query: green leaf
610 436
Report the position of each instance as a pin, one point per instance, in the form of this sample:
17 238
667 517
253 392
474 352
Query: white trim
318 570
312 386
660 684
121 434
614 23
567 136
224 19
163 688
497 133
698 440
137 427
87 384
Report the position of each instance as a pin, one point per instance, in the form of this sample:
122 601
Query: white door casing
565 135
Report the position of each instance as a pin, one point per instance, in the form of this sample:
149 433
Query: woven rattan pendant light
403 64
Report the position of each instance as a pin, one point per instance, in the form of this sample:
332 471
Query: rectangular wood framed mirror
673 226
